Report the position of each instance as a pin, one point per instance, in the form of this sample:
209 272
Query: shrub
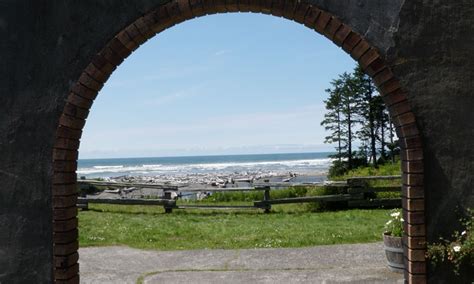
457 251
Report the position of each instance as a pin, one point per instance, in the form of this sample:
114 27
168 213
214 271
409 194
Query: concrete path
359 263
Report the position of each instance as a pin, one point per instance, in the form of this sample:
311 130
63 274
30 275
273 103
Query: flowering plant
394 225
457 251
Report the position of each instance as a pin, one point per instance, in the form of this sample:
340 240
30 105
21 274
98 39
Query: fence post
167 196
266 197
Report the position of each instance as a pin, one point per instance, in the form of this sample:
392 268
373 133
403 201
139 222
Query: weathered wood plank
126 201
374 189
324 198
386 202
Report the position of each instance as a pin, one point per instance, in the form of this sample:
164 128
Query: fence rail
356 191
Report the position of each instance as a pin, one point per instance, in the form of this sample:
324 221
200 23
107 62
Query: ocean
301 163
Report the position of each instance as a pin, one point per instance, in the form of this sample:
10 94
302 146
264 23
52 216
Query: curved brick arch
86 88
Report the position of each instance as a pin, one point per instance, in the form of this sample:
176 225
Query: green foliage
394 226
457 251
249 196
356 111
320 206
148 227
387 169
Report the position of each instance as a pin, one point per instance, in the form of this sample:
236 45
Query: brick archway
86 88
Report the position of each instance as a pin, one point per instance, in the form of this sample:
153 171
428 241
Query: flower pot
394 253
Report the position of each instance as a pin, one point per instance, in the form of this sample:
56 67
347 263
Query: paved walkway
360 263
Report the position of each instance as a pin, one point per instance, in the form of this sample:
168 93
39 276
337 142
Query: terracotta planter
394 253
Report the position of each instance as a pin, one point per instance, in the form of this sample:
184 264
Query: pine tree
342 117
368 106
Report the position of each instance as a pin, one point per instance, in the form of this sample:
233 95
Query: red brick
300 12
162 19
64 201
65 237
64 189
135 34
311 16
404 119
369 57
390 86
127 41
408 130
414 217
412 179
416 278
341 35
413 191
415 231
75 111
103 65
69 133
352 40
415 254
143 27
65 166
413 205
359 50
322 21
410 142
96 74
254 6
116 45
84 91
64 178
66 225
418 267
64 143
412 154
278 6
79 101
290 8
73 280
399 108
394 97
332 27
64 155
174 12
196 7
113 58
218 6
375 68
412 166
71 122
66 273
65 214
66 261
383 77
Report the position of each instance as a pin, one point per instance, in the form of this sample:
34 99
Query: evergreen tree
365 91
342 117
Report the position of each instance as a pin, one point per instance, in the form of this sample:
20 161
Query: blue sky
221 84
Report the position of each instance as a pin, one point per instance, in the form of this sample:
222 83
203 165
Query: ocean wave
303 164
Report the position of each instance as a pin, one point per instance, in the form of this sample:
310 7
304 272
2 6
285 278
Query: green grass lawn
287 226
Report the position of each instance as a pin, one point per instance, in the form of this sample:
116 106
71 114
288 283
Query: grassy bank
289 226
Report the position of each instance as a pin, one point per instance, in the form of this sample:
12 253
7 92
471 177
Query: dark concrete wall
435 59
45 45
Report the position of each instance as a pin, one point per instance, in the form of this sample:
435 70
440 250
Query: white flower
463 233
395 214
401 219
389 222
457 248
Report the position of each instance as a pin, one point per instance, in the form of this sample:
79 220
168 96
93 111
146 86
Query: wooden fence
356 191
